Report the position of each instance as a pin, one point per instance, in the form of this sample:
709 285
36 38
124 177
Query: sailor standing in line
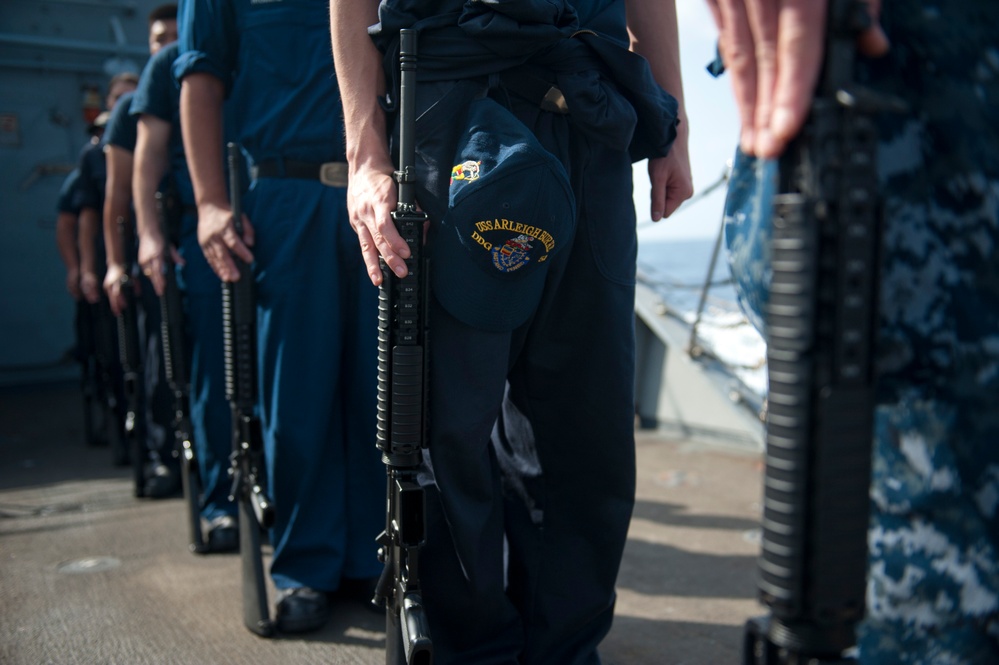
89 200
160 468
316 309
933 569
533 280
159 154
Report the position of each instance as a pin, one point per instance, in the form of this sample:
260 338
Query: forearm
655 36
89 225
361 80
117 202
66 228
371 194
152 162
201 99
652 26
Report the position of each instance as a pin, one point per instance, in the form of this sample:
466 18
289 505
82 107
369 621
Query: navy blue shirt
93 175
67 193
89 193
122 127
274 59
158 95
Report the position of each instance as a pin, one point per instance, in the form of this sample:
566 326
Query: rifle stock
821 320
239 318
175 365
131 363
402 402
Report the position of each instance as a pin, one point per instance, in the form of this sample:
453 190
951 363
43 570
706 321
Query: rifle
175 366
95 350
94 402
821 321
239 326
131 364
106 359
402 401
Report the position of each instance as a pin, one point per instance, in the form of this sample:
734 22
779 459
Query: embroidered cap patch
510 210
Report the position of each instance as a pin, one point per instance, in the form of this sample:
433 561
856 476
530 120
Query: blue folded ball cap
748 232
510 210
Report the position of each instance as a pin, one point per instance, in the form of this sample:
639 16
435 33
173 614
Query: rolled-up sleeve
121 131
88 192
156 92
209 41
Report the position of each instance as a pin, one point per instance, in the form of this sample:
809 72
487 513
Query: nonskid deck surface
91 575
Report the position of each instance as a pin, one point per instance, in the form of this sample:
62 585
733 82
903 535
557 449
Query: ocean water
677 270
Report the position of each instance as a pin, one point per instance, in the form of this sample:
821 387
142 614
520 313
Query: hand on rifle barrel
219 240
114 280
152 256
772 52
371 200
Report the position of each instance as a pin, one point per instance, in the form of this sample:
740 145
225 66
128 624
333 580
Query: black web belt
331 174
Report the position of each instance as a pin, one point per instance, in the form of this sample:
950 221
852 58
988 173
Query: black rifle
175 363
98 361
239 324
95 404
131 362
821 322
108 367
402 401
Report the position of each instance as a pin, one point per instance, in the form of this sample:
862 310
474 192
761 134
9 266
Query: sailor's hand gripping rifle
821 322
256 512
175 364
130 356
402 401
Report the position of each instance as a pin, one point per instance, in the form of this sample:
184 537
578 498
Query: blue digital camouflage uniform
933 588
159 96
316 306
934 577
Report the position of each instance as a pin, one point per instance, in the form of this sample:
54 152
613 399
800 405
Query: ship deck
89 574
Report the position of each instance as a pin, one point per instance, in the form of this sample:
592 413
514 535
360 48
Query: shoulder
121 110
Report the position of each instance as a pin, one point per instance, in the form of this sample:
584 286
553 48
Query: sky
714 131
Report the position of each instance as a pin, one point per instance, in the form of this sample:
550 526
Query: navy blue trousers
317 350
210 416
532 446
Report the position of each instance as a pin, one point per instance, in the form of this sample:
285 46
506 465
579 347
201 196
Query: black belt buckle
554 101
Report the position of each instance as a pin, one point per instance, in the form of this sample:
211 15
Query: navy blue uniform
89 193
122 127
316 307
159 96
68 201
121 132
532 428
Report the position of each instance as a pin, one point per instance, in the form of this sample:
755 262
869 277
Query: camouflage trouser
933 588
